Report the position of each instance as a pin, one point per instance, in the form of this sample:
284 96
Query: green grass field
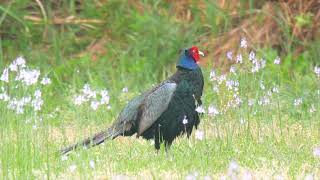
260 120
264 134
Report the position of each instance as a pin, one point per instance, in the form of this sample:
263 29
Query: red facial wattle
194 53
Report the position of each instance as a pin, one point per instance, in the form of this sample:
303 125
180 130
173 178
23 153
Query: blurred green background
122 39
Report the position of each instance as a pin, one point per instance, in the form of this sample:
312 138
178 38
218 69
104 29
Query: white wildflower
297 102
224 177
232 85
255 68
26 99
309 177
233 69
191 177
317 70
125 90
13 66
269 93
312 109
215 89
266 100
242 121
104 97
252 56
28 76
233 167
45 81
5 75
243 43
239 58
4 96
316 152
251 102
238 101
229 84
37 94
72 168
94 105
20 61
229 55
212 110
199 135
37 103
78 100
257 65
212 74
200 109
221 78
275 89
277 60
185 120
247 175
88 92
19 110
92 164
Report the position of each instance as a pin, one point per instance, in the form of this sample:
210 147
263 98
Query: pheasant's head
195 53
190 57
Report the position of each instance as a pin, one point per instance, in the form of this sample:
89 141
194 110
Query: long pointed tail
92 141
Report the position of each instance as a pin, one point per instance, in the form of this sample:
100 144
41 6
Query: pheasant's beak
201 53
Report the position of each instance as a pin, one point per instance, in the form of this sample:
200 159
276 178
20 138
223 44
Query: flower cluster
16 75
213 110
91 96
251 63
277 60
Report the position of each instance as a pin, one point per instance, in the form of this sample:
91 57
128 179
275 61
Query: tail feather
92 141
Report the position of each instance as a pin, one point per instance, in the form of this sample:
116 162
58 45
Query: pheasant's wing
154 104
128 116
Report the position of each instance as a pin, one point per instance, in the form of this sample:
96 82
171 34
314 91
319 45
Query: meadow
260 108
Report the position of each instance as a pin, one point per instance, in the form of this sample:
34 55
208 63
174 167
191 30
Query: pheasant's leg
157 140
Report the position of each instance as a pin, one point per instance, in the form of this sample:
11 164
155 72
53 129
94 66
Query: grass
266 140
263 139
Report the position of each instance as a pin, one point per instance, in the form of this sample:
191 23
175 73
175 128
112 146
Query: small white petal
5 75
199 135
200 109
316 152
72 168
94 105
92 164
125 90
185 120
243 43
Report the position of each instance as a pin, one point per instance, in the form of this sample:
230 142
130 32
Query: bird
162 113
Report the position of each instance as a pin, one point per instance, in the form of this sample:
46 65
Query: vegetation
259 121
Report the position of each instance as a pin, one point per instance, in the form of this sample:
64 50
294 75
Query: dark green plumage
158 113
183 103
